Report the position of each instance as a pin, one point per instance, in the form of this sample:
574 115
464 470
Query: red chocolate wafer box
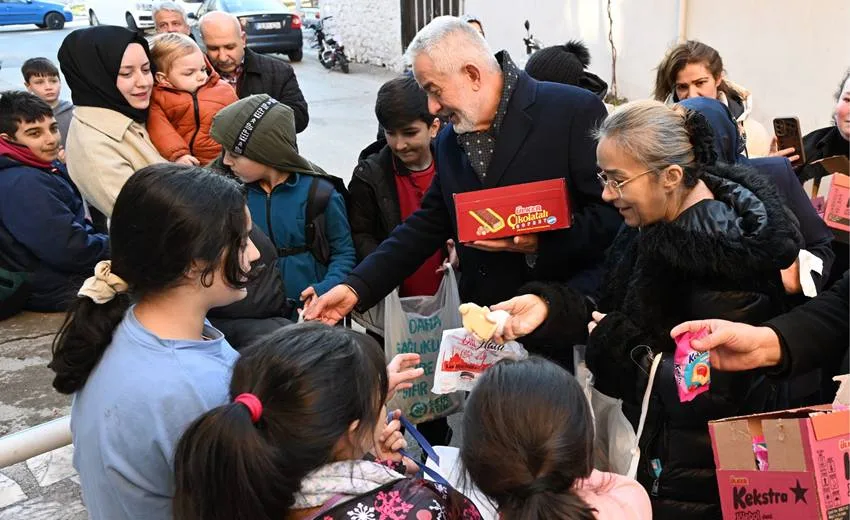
508 211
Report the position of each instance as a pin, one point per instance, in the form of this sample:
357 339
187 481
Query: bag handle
427 448
644 408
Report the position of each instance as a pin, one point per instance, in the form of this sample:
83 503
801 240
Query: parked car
308 10
45 15
133 14
269 26
190 6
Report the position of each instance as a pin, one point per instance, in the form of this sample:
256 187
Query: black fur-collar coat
720 259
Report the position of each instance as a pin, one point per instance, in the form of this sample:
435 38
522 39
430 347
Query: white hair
169 6
450 42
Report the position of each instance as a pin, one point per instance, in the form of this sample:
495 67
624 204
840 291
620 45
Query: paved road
342 123
342 117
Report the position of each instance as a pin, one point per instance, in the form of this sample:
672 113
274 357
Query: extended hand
734 346
527 313
188 160
790 153
791 278
519 244
401 371
452 259
390 442
332 306
307 295
597 319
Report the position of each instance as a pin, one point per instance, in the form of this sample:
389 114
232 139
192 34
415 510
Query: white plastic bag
416 324
615 443
464 358
450 469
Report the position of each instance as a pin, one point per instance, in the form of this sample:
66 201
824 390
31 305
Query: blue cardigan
45 232
281 213
546 134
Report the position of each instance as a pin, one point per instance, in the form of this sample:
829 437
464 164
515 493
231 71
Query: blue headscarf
728 142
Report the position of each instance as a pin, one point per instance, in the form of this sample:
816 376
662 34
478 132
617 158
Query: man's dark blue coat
546 134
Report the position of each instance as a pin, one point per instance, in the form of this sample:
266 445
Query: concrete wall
790 54
370 30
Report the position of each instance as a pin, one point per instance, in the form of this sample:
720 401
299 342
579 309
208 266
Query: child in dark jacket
258 137
391 177
43 228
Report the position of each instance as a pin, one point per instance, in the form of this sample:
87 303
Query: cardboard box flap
733 445
797 412
835 164
831 424
785 443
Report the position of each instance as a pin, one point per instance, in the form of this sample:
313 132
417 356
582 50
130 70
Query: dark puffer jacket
374 210
718 259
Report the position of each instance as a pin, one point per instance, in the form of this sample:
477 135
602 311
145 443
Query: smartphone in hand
789 135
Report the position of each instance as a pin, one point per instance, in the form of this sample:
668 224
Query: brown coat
179 122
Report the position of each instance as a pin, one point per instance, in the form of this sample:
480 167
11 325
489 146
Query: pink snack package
760 451
692 369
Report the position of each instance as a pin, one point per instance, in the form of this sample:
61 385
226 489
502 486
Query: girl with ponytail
528 445
302 438
136 351
702 239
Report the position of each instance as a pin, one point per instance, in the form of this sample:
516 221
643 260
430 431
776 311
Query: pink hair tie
252 403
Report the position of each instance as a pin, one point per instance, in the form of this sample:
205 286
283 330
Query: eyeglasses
617 186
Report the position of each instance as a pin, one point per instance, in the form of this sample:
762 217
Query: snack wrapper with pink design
760 451
464 357
692 368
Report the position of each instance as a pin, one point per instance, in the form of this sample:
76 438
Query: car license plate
267 25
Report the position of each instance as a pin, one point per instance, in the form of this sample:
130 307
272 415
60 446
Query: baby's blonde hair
168 47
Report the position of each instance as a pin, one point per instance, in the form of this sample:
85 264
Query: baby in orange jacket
187 95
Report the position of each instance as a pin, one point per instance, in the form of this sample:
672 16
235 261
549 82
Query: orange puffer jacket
179 122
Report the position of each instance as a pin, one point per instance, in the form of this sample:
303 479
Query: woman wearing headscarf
109 72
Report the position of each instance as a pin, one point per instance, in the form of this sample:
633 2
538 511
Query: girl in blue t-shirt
136 350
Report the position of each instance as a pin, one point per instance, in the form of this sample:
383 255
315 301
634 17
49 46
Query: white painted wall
370 30
790 54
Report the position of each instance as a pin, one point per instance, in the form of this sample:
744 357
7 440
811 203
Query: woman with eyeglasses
701 239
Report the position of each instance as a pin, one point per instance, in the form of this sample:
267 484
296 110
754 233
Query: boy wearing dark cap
257 135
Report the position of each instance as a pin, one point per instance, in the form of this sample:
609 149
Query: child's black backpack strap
318 197
322 187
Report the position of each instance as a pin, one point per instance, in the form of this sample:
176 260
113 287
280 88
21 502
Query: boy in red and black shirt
391 179
388 185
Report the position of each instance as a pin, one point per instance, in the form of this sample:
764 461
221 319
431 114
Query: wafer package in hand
483 322
692 369
464 358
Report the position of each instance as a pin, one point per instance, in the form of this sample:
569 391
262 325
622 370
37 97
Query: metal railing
25 444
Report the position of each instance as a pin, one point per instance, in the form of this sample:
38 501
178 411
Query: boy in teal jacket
258 137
